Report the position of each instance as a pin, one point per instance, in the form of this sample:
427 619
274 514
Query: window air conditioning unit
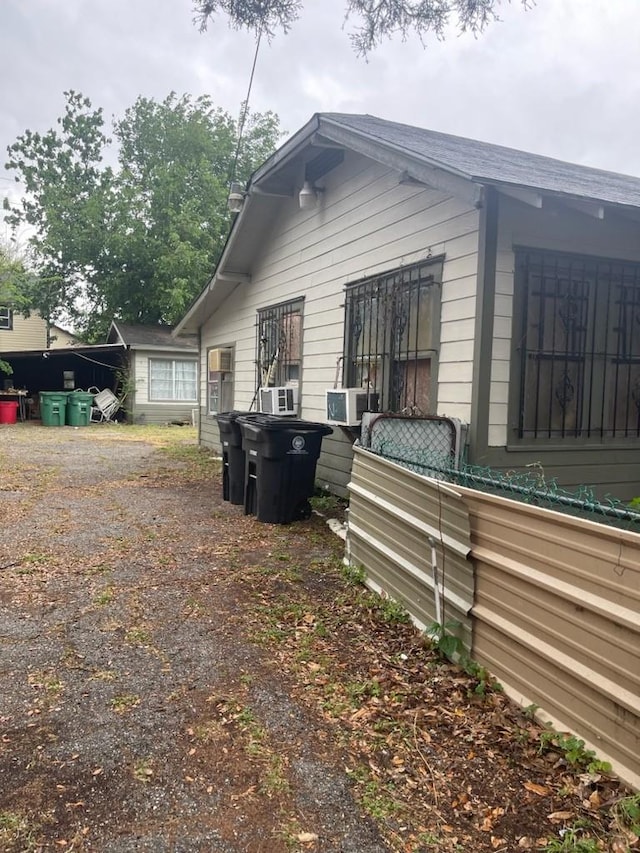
220 360
280 400
345 406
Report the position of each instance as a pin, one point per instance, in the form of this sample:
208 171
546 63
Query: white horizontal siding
457 330
551 227
334 466
367 223
458 308
141 377
209 433
162 413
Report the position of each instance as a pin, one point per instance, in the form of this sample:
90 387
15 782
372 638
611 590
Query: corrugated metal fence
549 603
400 525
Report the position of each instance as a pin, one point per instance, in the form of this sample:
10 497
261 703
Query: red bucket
8 412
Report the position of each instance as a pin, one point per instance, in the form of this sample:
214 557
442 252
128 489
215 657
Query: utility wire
86 358
245 109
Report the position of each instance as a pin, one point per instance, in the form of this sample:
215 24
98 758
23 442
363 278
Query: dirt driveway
175 676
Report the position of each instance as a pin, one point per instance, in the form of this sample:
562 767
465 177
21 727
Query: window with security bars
6 319
577 347
173 379
392 336
279 344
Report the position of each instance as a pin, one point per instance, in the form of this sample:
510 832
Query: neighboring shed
162 381
443 275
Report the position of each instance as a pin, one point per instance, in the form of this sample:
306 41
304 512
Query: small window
279 344
392 336
6 319
219 381
173 380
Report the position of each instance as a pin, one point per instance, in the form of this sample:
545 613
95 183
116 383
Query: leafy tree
380 19
15 286
136 240
66 189
15 282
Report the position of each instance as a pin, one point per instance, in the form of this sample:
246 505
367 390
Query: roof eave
533 194
115 328
286 152
163 348
422 169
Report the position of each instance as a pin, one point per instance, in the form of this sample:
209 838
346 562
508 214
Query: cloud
562 79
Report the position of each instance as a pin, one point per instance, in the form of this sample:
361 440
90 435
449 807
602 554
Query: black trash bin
232 456
280 466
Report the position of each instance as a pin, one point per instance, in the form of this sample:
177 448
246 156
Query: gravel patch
125 672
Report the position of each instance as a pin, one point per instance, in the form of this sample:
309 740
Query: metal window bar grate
391 335
579 347
279 343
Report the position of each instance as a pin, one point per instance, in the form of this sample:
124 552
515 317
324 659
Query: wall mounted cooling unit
280 400
345 406
220 360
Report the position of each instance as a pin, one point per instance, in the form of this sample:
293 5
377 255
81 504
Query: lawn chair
105 405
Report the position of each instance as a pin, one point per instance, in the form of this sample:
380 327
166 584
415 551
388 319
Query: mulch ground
175 676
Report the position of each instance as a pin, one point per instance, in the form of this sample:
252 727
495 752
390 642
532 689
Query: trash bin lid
227 417
276 423
229 423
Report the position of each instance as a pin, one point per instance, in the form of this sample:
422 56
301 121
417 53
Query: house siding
61 338
28 333
614 469
366 223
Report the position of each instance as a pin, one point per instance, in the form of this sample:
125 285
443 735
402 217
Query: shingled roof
492 164
140 336
454 164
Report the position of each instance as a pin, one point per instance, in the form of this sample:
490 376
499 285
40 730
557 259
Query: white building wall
553 227
366 223
141 376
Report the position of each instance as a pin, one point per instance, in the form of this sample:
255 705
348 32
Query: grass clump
17 833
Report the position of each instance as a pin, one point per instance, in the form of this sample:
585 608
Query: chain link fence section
434 447
445 438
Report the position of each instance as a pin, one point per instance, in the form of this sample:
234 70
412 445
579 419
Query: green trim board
607 471
483 335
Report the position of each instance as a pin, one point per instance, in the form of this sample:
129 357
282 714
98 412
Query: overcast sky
562 79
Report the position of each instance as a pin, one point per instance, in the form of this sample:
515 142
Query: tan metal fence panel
395 516
557 620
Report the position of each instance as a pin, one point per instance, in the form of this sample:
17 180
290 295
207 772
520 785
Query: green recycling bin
53 408
79 408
